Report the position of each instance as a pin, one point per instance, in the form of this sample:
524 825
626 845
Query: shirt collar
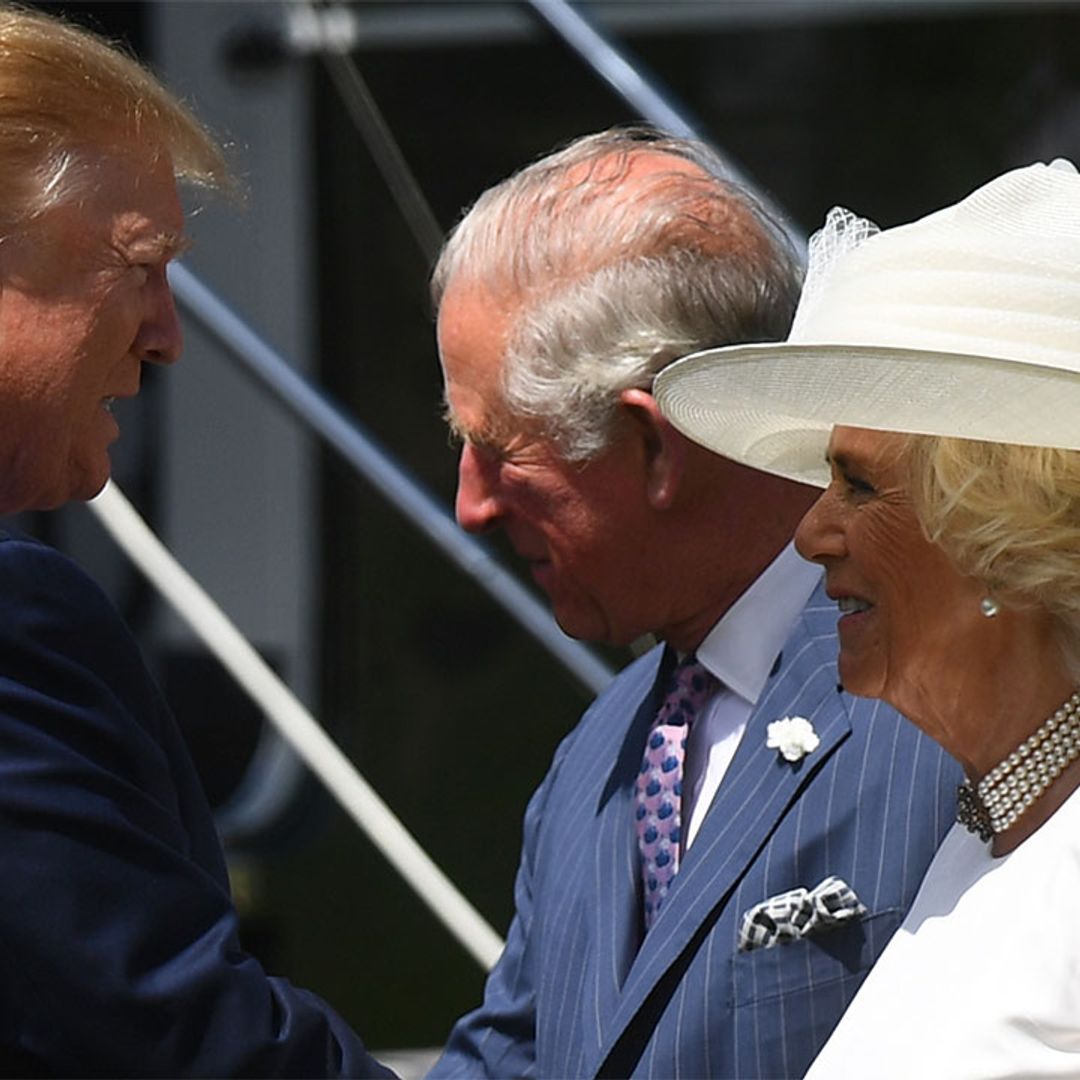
742 647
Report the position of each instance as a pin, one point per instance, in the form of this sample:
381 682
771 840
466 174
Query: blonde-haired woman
945 358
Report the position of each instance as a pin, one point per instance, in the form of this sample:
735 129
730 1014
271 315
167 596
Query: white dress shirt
740 651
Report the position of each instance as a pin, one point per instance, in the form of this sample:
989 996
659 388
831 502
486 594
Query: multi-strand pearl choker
1011 787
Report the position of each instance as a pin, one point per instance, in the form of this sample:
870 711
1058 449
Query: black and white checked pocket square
797 913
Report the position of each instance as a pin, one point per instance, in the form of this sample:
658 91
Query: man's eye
142 271
489 451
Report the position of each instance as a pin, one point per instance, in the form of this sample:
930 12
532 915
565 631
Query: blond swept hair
1008 515
69 98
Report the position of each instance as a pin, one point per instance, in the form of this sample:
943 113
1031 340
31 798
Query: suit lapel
616 885
754 795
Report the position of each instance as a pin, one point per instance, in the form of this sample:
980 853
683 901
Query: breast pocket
789 998
843 955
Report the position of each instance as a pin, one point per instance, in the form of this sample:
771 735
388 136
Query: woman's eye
857 486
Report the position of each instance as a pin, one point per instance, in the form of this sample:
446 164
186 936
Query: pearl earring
989 606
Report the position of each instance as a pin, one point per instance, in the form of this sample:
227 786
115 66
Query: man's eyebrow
486 437
163 245
459 432
172 244
180 244
451 422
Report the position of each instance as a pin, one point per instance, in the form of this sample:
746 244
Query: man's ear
663 448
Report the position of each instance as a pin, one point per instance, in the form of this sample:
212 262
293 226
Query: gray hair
610 285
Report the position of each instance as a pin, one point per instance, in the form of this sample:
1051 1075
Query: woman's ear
663 448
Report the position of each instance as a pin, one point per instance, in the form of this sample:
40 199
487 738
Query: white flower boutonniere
794 737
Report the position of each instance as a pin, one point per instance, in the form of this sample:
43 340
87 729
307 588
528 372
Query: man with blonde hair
120 954
726 841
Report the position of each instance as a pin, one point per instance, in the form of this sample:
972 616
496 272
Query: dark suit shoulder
57 627
31 571
73 681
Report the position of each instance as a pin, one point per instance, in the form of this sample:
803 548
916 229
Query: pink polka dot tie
658 810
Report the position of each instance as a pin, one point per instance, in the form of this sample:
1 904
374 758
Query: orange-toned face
84 302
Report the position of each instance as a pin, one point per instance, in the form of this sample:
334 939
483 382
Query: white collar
742 647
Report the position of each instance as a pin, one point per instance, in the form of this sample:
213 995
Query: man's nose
478 506
160 339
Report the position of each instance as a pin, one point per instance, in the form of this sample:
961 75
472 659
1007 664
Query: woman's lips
852 605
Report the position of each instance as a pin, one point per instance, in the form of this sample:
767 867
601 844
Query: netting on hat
842 232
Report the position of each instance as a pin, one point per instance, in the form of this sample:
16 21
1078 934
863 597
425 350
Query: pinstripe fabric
574 995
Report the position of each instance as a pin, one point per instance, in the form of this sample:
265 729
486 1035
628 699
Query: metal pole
628 79
304 733
317 411
389 159
625 78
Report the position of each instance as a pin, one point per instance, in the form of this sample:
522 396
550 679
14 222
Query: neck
733 521
984 710
992 685
686 633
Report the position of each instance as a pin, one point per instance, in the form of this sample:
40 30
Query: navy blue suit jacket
119 953
577 993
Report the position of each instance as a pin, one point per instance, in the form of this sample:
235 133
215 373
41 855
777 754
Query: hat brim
772 406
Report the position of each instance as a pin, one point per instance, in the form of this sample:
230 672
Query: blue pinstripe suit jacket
577 993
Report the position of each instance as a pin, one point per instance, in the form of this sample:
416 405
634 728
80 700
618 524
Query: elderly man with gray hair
119 951
726 841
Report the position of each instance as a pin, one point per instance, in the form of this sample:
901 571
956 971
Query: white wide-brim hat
965 323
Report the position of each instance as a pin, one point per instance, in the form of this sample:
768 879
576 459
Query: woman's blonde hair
1008 515
68 97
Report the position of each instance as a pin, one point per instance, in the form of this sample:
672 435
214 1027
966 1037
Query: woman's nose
820 535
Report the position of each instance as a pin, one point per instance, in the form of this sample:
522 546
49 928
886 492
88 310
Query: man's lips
107 405
109 400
